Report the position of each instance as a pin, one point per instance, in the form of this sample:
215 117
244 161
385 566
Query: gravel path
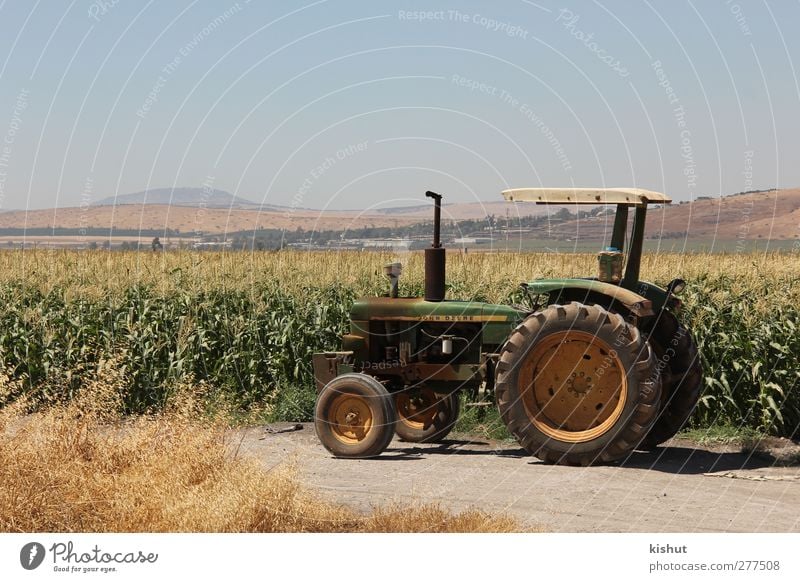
678 488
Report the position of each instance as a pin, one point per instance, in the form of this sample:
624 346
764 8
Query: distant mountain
181 197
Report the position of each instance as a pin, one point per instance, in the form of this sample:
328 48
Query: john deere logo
31 555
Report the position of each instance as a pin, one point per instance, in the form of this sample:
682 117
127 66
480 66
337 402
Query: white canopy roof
630 196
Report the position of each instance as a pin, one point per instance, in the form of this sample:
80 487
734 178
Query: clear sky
345 104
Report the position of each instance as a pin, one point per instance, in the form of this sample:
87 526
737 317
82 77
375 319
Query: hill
193 210
768 215
203 197
190 220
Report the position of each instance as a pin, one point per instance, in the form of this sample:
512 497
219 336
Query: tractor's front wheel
355 416
577 385
423 416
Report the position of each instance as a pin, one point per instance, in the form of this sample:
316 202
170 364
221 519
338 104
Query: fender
638 305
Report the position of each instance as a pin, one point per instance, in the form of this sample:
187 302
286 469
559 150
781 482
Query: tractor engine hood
417 309
497 320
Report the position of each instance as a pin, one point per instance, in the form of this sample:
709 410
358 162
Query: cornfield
246 324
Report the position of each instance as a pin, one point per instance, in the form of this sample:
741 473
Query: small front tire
355 416
424 416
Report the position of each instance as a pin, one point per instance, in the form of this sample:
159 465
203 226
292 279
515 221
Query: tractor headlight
676 286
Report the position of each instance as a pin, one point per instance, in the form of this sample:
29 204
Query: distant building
471 240
400 244
212 246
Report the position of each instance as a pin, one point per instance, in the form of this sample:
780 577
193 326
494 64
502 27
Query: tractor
584 373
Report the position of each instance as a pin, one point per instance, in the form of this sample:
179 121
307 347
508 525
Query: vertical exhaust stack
435 257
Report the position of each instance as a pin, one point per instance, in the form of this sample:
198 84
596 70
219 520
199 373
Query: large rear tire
424 416
577 385
354 416
681 372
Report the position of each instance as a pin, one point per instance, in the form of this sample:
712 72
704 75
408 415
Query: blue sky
344 104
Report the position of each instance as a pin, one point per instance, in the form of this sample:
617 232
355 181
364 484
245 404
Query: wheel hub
351 418
417 409
575 386
579 384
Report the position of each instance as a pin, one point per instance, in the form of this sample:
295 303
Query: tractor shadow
694 461
677 460
400 450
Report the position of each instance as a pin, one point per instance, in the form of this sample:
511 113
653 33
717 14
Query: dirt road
679 488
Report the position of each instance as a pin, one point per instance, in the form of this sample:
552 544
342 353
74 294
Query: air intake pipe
435 257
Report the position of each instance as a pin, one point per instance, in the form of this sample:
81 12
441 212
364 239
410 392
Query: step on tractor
584 373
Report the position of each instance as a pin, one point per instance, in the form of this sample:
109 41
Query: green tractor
590 370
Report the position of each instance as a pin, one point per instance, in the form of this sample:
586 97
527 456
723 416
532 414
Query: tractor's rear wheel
355 416
681 373
577 385
423 416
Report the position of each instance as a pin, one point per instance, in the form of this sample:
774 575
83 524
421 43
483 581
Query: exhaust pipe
435 255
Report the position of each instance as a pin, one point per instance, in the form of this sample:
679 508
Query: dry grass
78 468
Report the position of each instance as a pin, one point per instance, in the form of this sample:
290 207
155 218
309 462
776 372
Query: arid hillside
187 219
763 215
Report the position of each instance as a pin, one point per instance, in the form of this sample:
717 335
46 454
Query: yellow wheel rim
573 386
418 409
350 418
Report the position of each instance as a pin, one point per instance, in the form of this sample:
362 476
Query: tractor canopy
624 196
638 297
